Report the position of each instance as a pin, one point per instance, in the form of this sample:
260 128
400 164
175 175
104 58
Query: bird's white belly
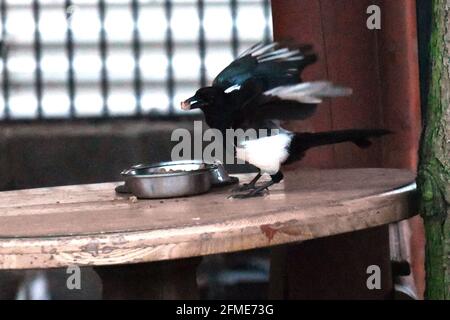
266 153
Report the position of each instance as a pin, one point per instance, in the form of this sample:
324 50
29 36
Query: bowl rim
128 172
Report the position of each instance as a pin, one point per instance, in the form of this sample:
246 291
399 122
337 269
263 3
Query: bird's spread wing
309 92
271 64
291 102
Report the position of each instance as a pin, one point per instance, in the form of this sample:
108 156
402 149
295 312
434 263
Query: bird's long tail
360 137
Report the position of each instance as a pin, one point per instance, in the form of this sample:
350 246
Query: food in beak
185 105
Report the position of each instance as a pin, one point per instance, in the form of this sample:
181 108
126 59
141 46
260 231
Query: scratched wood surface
92 225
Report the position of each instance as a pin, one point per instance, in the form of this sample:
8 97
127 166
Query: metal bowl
167 179
219 176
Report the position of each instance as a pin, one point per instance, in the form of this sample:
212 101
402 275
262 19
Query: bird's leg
261 190
248 186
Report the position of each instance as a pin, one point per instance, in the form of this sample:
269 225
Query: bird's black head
203 98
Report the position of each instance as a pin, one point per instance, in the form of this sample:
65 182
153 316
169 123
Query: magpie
258 90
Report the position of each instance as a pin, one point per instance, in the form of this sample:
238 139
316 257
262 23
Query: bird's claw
244 187
252 194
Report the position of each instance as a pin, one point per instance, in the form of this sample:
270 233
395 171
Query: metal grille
115 58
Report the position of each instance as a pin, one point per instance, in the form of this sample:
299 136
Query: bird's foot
258 192
244 187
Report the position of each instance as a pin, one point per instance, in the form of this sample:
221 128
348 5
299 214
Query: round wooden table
91 225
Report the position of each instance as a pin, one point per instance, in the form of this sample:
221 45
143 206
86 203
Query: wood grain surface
92 225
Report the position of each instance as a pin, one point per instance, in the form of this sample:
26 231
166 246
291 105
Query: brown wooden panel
308 30
347 53
380 65
399 71
351 57
401 100
382 68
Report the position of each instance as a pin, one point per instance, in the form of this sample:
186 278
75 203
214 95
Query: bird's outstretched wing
308 92
291 102
272 65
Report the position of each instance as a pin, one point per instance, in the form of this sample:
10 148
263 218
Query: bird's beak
191 103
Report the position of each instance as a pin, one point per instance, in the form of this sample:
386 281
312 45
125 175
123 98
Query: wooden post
434 169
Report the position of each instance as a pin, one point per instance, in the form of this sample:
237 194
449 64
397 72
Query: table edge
147 246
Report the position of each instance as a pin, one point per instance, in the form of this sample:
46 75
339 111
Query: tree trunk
434 169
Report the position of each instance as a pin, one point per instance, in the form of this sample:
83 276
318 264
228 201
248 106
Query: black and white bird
258 90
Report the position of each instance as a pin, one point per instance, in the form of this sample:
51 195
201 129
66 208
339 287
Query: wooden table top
92 225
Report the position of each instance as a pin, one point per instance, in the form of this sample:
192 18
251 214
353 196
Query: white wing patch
267 153
233 88
309 92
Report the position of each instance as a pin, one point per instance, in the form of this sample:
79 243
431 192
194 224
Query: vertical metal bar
169 52
103 56
202 42
137 56
37 56
234 32
4 57
267 15
70 57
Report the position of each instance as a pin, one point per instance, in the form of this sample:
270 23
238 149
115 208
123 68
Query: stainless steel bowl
167 180
180 178
219 176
